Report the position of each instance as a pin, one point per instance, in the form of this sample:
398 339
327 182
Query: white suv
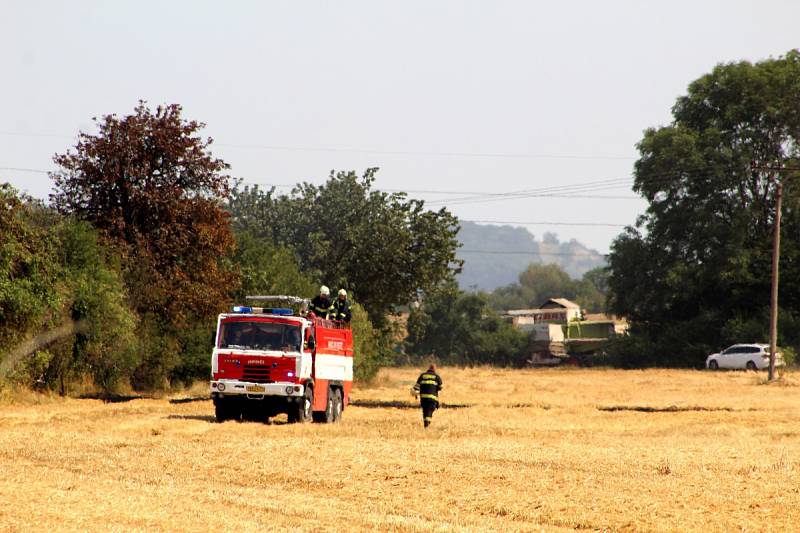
749 356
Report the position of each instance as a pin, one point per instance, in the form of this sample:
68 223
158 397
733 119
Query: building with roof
559 329
553 311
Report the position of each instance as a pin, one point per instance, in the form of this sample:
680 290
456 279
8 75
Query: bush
460 328
628 351
30 293
789 355
106 347
372 347
63 305
196 343
31 371
160 348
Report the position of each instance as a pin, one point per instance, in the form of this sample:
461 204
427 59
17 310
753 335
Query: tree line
693 273
460 327
147 238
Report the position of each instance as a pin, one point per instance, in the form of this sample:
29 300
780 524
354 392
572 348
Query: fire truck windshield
260 336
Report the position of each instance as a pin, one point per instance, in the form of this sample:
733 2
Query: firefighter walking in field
427 388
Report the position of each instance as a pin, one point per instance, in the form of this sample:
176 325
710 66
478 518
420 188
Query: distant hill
487 271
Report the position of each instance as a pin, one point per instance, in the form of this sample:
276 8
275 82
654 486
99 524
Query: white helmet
325 290
342 292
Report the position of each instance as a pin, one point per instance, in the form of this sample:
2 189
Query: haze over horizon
454 101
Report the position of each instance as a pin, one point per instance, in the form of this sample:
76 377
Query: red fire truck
272 360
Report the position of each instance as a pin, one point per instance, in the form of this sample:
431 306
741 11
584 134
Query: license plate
255 388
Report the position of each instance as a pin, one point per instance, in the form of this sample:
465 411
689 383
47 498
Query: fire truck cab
271 360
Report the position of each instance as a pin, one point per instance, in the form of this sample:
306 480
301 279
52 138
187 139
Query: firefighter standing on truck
321 305
427 388
342 306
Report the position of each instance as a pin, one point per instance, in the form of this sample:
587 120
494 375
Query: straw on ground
560 449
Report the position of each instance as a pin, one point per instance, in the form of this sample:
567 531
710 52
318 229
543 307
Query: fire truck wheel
225 410
301 412
338 406
326 416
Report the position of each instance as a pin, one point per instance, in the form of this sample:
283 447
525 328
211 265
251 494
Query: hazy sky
488 97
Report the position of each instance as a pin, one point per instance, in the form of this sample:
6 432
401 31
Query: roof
522 312
563 302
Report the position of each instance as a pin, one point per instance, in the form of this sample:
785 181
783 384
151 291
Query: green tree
384 248
62 303
149 183
697 265
372 348
106 347
267 268
461 328
539 282
598 278
29 277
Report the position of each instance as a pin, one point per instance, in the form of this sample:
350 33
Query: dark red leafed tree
150 184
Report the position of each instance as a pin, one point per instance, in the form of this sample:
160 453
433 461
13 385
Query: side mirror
310 344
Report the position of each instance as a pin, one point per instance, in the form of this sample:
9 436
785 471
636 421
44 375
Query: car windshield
260 336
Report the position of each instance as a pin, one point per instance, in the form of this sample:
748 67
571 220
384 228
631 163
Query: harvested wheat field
550 450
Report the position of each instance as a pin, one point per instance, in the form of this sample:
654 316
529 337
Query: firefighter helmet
325 290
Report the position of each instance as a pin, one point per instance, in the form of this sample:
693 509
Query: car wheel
713 365
751 365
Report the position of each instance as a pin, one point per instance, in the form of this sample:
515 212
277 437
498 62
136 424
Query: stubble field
551 450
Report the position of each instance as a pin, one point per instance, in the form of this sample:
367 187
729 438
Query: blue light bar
246 309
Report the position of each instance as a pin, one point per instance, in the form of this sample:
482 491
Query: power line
20 134
544 223
469 199
495 155
477 195
544 191
19 169
441 192
360 150
593 186
598 185
565 191
522 252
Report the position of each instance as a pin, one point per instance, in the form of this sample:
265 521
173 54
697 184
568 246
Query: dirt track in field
548 450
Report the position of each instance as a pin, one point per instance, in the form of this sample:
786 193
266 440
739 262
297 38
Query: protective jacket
428 386
342 308
322 307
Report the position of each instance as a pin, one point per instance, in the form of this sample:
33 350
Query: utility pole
776 255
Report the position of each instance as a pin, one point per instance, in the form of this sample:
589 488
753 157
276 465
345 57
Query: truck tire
220 412
301 412
338 405
326 416
225 409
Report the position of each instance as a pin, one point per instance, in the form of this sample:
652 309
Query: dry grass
669 451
